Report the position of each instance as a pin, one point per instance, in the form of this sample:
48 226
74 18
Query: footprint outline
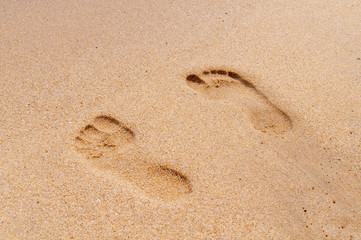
109 146
209 83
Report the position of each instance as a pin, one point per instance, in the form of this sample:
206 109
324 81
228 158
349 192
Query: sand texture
180 119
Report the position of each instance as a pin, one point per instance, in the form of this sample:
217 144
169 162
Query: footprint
110 147
260 112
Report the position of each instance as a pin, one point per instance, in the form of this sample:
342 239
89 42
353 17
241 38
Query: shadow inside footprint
109 146
260 112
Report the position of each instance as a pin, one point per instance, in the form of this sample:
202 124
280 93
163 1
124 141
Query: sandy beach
180 119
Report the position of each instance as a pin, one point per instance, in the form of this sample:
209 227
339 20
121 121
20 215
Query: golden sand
180 120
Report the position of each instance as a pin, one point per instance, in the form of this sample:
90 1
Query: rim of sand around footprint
230 86
110 147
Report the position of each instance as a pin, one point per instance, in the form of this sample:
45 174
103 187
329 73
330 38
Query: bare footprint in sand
260 112
109 147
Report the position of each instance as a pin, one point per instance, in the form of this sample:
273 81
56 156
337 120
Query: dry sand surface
180 119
